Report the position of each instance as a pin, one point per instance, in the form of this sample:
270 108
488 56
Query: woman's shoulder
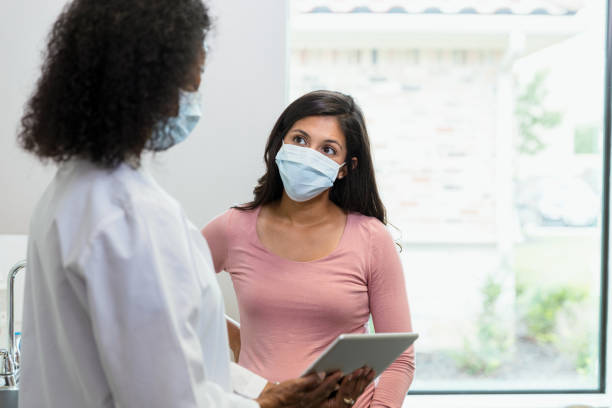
230 220
370 237
371 226
240 214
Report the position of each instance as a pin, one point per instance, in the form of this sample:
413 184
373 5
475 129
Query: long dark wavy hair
357 191
112 70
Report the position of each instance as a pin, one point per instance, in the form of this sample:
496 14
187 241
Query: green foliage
477 362
543 310
583 348
488 352
520 289
586 139
552 318
532 117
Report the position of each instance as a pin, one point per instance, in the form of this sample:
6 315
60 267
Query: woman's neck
308 212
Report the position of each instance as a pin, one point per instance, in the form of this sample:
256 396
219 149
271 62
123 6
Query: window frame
600 396
551 398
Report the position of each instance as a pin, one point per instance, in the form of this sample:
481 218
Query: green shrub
489 350
544 307
584 349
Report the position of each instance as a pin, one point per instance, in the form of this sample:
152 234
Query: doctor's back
121 306
100 239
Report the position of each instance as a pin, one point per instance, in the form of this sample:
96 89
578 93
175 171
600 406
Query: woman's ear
342 173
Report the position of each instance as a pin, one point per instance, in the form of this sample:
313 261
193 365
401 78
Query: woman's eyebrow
334 141
302 132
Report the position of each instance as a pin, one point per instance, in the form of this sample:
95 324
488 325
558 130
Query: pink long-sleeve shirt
292 311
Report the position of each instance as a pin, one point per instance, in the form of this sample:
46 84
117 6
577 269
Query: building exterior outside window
486 119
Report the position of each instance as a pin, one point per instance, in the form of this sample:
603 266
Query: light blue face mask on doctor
177 128
305 172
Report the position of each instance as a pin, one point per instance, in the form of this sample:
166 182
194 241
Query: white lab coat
122 307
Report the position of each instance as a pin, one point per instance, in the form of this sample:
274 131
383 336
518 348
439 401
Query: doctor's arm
143 301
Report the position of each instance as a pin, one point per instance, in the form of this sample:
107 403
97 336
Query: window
486 120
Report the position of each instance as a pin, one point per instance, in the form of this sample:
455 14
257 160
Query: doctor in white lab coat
122 308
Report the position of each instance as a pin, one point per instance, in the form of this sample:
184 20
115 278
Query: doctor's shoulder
84 203
129 194
135 192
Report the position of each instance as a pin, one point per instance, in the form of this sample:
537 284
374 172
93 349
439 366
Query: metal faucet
10 358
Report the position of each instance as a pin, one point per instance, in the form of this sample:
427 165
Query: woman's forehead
320 127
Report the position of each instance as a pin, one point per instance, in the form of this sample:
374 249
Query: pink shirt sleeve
390 313
217 234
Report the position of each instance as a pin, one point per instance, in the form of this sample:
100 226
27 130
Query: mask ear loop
206 49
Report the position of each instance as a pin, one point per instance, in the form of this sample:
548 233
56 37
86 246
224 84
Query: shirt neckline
260 245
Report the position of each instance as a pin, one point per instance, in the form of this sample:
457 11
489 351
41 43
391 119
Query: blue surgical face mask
305 172
176 129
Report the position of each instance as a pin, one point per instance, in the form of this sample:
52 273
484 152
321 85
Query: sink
9 357
9 397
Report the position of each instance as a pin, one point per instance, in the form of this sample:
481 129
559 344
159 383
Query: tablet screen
352 351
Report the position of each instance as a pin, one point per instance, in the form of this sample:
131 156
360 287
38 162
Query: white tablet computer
352 351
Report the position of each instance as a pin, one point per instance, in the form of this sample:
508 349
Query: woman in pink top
310 257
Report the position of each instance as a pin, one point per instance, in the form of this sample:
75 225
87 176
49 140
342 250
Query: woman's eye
299 140
329 150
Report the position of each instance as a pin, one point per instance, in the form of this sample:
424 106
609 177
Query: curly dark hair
112 70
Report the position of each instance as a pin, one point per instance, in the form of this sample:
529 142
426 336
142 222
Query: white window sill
509 401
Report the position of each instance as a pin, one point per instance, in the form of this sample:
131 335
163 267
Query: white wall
244 92
22 35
